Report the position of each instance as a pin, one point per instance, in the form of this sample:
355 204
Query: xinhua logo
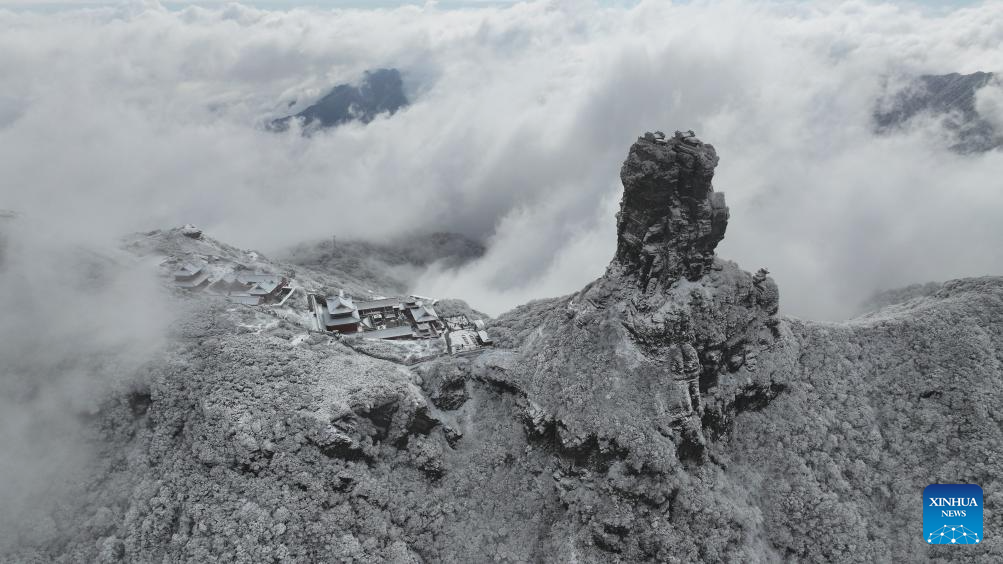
952 514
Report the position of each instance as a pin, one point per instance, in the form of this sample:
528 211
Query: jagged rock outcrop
682 327
634 377
677 387
190 231
670 218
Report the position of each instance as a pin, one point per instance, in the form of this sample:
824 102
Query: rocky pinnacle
670 218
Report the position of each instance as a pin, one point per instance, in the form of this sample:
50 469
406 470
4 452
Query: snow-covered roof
186 270
378 304
264 288
198 280
261 284
349 319
341 305
423 314
227 283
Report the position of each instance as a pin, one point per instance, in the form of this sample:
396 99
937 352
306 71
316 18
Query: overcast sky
143 115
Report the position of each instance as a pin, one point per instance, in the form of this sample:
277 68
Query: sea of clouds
141 115
76 325
136 116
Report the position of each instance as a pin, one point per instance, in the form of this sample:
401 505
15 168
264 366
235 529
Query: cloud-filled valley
169 393
138 117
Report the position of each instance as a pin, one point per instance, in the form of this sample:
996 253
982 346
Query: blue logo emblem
952 514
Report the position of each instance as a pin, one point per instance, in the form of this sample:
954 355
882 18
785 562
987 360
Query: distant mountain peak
380 91
951 97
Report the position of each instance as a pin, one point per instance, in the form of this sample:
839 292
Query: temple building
191 277
341 315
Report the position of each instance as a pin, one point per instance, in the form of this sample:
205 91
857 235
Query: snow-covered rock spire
670 218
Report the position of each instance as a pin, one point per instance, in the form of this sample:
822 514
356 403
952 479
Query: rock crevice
670 218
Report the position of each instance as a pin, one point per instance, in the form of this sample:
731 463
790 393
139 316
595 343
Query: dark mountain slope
380 91
949 97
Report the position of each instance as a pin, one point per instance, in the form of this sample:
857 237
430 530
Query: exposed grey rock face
670 219
735 435
668 317
949 97
663 413
636 376
380 91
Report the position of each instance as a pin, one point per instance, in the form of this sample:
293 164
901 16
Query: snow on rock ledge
670 218
660 351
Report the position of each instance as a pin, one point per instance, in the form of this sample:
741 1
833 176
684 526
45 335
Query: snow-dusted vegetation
666 412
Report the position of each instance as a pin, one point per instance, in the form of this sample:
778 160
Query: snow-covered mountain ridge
666 412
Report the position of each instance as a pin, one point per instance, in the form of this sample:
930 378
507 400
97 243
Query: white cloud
75 324
521 117
989 103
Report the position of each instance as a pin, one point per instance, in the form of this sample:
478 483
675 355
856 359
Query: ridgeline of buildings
405 318
239 287
400 318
